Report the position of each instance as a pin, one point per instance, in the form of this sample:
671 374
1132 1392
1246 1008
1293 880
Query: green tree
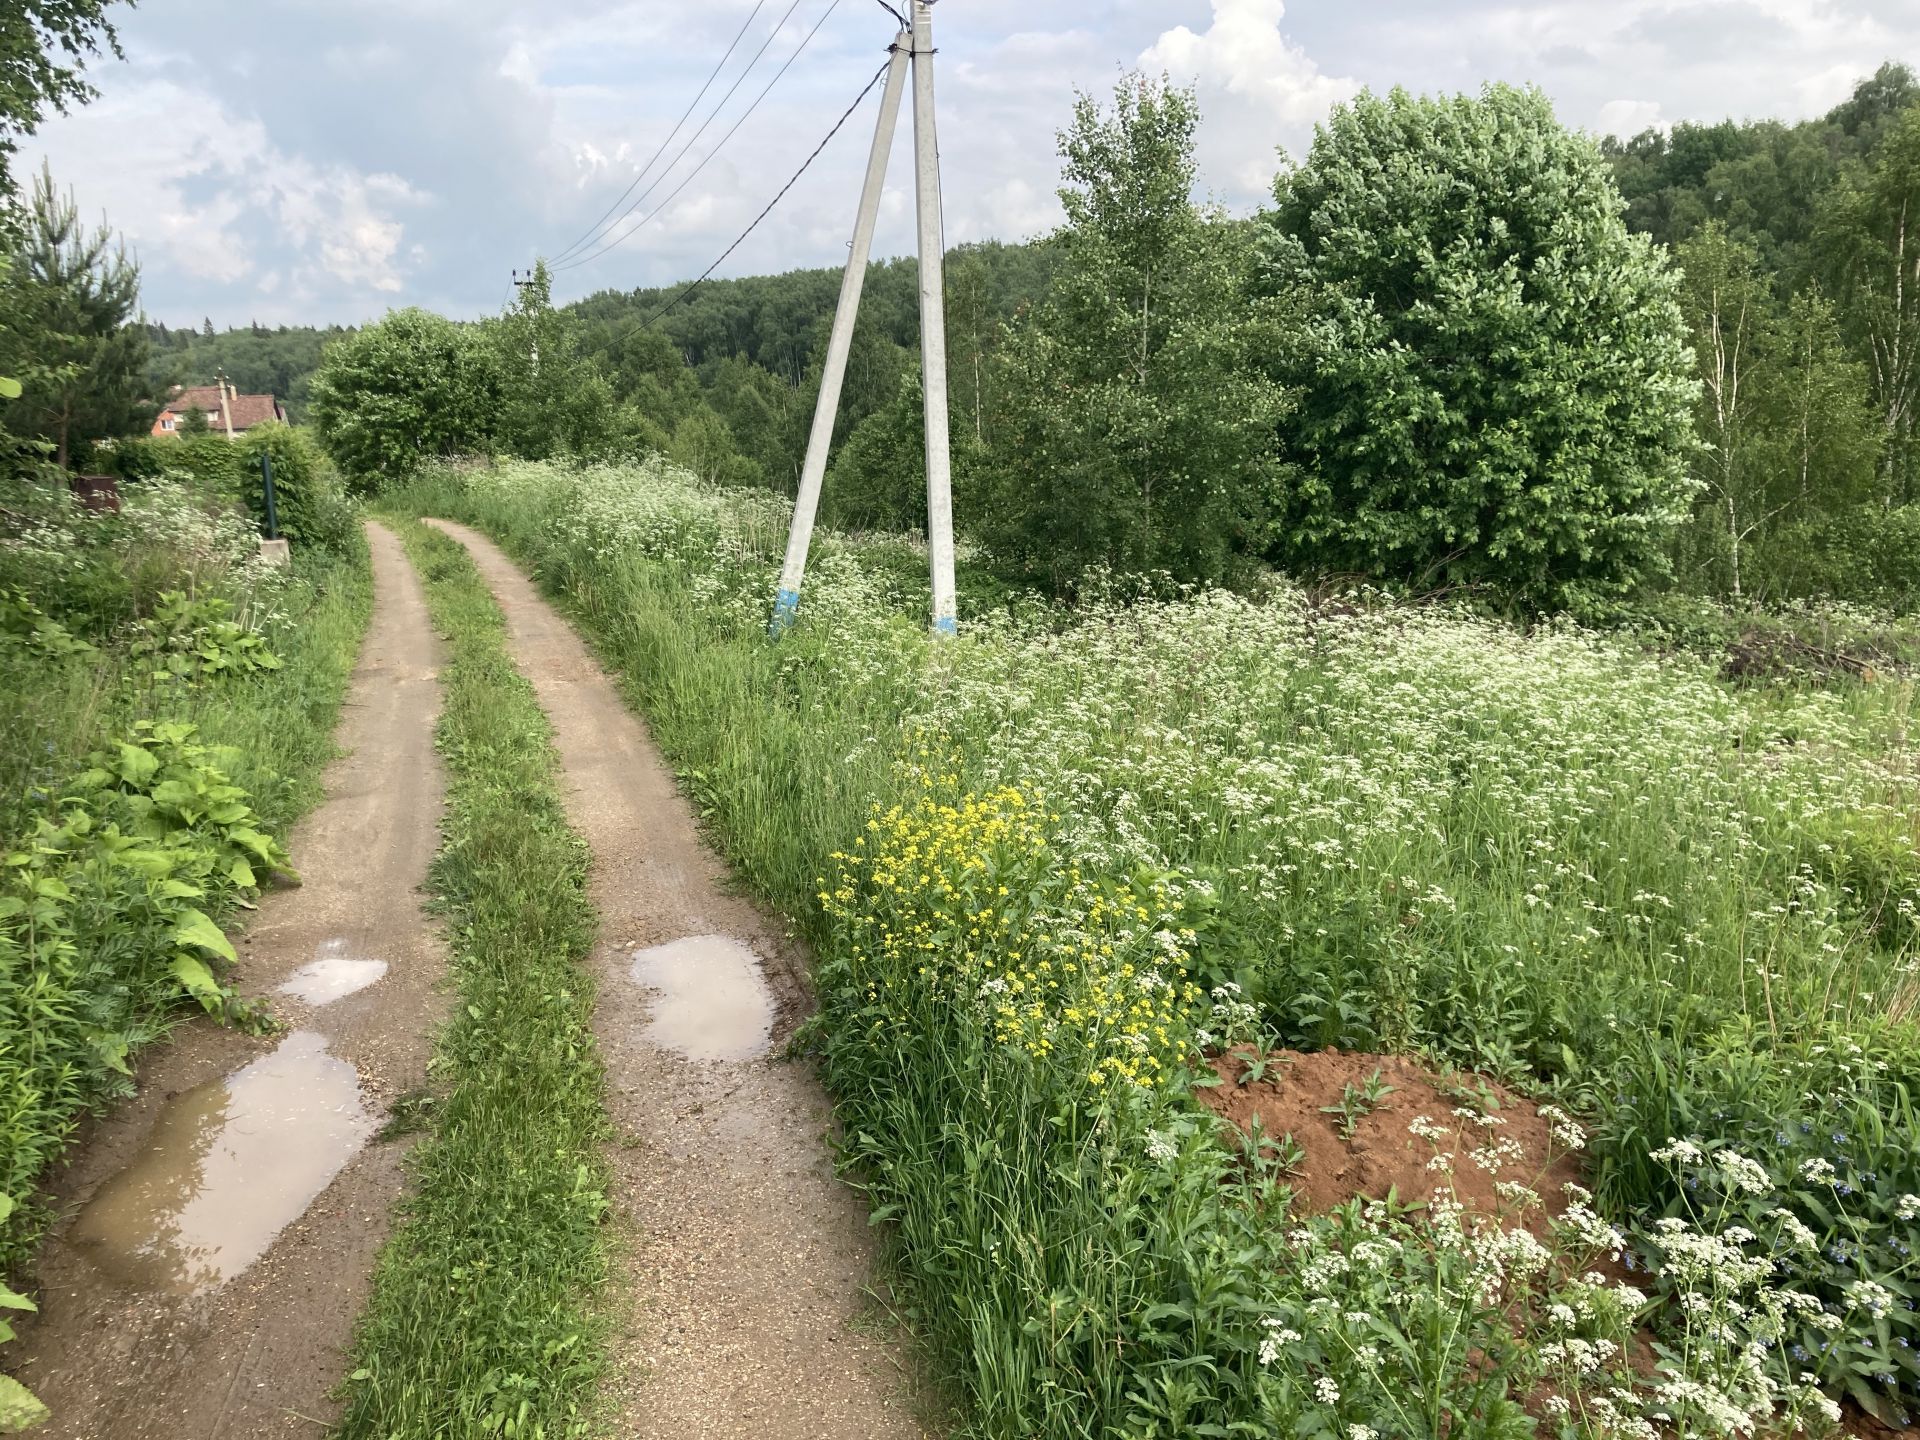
402 391
879 475
1494 379
767 417
1872 243
43 47
1132 428
67 304
193 421
703 444
1729 309
1827 439
552 401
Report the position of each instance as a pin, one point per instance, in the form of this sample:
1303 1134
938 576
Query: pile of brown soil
1302 1095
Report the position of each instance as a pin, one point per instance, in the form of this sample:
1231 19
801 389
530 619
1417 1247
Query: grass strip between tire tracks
480 1321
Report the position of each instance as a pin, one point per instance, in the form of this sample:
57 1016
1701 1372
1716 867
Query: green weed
1542 855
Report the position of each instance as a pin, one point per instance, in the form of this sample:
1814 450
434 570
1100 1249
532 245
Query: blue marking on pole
786 605
947 625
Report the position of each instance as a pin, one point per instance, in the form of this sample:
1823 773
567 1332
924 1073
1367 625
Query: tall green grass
1684 907
481 1320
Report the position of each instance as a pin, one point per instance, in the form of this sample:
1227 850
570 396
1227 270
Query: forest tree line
1559 370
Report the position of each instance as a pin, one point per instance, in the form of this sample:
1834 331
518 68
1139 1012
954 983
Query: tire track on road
748 1261
128 1345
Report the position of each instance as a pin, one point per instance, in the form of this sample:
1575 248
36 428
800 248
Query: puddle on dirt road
231 1164
710 1000
332 975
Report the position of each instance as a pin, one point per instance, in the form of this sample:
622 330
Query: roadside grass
1685 910
481 1320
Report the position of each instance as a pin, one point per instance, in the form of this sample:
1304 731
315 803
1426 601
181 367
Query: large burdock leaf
137 766
199 932
199 982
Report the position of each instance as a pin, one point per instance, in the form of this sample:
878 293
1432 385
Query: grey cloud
384 152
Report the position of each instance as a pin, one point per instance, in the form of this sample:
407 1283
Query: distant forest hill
258 360
742 349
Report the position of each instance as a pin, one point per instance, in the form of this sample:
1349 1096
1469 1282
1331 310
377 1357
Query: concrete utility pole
915 44
933 323
834 372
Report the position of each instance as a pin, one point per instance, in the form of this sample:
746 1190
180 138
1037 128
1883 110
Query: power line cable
793 180
618 240
691 139
641 174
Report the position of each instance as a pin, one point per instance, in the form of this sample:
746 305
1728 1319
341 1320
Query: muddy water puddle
333 974
230 1164
710 1001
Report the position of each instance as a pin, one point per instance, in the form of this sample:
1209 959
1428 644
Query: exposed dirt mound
1360 1147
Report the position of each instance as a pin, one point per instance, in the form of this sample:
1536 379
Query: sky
323 161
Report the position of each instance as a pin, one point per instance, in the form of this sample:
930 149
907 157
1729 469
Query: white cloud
1630 117
332 159
1258 90
194 186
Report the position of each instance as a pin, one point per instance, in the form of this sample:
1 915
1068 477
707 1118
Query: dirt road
223 1224
748 1260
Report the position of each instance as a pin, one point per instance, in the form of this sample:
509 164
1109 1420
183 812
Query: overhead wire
792 180
604 242
588 237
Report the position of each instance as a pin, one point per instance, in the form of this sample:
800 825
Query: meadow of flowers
1048 866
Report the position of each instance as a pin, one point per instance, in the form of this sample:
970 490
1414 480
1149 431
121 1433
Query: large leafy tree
552 400
1872 242
1132 429
407 389
67 309
1494 379
43 47
1730 311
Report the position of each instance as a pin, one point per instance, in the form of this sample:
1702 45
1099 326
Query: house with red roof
228 412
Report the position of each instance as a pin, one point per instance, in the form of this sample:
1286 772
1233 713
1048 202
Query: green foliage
476 1324
309 500
702 443
97 573
1829 1126
186 641
1871 251
45 43
24 624
66 303
1536 853
1493 372
879 477
1784 416
105 925
1865 553
408 389
1132 427
256 360
552 401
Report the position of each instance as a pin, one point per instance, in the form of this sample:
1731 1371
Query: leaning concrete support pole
834 372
